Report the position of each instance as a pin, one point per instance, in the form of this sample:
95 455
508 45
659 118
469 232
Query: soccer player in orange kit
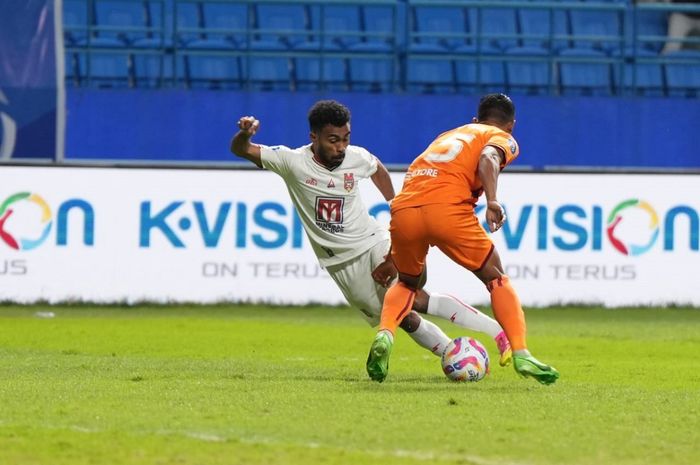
436 208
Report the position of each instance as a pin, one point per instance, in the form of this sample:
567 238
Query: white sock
459 313
430 336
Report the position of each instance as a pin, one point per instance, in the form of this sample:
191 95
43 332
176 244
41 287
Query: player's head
329 122
497 110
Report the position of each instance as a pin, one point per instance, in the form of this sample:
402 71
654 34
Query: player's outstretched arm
382 180
241 144
490 163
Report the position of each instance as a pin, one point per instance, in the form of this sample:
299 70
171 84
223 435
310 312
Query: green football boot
378 359
530 366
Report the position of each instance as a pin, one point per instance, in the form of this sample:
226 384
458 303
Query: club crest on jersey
329 214
349 183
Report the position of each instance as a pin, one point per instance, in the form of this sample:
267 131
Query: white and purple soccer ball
465 359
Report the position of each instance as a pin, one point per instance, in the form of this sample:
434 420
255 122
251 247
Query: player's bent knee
420 303
411 282
411 322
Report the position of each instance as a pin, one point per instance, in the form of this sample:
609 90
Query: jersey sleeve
369 163
508 145
276 158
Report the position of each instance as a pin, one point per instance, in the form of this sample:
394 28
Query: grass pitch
257 385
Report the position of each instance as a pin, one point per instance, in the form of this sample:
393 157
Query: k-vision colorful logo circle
617 216
10 206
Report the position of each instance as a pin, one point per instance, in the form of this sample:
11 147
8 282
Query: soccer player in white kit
322 178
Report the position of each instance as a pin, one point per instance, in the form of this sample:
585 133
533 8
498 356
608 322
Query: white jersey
328 201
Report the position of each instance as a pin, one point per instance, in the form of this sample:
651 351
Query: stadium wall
181 235
196 125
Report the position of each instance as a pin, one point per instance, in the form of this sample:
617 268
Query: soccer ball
465 359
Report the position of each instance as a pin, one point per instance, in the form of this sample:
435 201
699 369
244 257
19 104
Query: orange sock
397 303
508 312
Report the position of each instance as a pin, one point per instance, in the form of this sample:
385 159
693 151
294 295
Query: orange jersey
446 172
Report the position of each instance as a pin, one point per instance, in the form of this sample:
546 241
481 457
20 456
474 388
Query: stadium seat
311 76
106 65
123 20
429 75
281 26
188 23
75 21
538 27
380 29
646 28
209 67
528 70
153 69
489 76
371 74
584 72
339 25
270 73
226 21
497 26
603 27
152 65
640 78
438 29
683 73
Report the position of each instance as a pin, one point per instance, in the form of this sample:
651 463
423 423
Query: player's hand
495 215
385 273
248 125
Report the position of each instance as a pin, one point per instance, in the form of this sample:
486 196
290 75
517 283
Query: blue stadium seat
153 69
371 74
604 28
527 71
226 21
123 20
208 67
683 73
538 27
189 23
310 76
438 29
270 73
497 26
584 72
380 29
490 76
340 25
152 66
429 75
75 21
282 26
160 17
649 24
107 64
641 78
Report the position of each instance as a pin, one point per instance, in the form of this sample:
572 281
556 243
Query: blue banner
196 126
32 95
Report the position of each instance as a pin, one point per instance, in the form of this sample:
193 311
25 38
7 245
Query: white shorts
354 279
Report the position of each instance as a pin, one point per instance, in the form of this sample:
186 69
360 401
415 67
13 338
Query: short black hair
496 107
326 112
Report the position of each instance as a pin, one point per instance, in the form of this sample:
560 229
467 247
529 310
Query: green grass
257 385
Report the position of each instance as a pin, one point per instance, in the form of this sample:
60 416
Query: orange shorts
454 229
